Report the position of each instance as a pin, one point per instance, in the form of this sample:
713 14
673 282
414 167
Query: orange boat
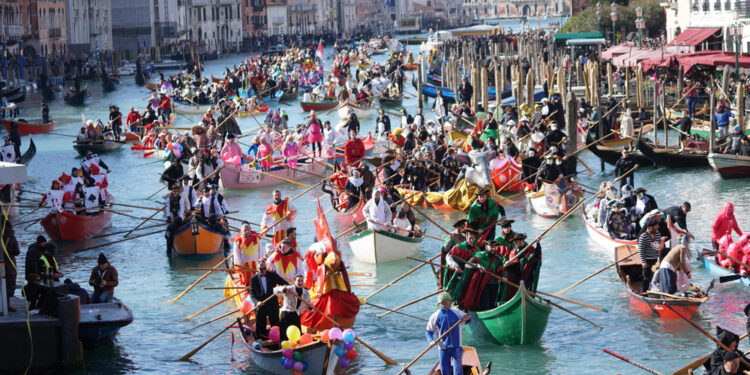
196 239
410 66
629 271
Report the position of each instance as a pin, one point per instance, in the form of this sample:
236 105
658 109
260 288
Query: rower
176 211
104 279
450 167
280 208
450 347
625 164
55 198
678 216
674 271
262 285
209 210
247 253
115 121
286 260
220 199
355 189
383 123
454 238
378 213
715 362
8 151
456 260
483 290
45 113
207 164
354 150
292 308
90 159
92 197
504 238
189 195
133 120
483 213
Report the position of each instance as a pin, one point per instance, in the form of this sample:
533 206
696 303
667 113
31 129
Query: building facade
11 25
47 27
89 26
277 17
301 16
253 17
682 15
215 24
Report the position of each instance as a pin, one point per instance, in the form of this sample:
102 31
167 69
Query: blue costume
450 346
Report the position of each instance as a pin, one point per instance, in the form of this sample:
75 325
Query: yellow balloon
293 333
286 345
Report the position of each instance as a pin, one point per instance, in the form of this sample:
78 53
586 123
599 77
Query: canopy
562 37
617 50
475 30
693 36
579 42
689 60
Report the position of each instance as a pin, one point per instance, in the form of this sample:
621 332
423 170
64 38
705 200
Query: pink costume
724 223
265 154
743 249
316 134
231 153
290 152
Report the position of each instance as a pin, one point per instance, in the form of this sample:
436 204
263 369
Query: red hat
64 179
94 169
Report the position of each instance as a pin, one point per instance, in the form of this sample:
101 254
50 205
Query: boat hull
29 128
97 148
601 237
730 167
242 177
709 262
672 159
521 320
192 109
382 246
318 106
68 227
554 200
319 356
101 321
206 243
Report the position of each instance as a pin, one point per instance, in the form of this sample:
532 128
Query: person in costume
724 224
530 261
276 211
450 347
354 150
483 289
453 239
246 252
504 238
286 260
483 213
456 260
377 212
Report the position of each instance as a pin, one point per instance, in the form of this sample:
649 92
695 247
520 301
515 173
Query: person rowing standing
450 347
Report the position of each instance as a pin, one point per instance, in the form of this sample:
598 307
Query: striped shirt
648 247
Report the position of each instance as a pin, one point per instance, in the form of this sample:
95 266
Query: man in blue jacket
450 346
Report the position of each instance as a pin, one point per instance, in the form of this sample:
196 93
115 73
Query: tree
653 14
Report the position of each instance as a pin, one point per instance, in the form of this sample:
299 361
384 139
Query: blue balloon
348 345
283 360
304 366
340 352
288 365
348 337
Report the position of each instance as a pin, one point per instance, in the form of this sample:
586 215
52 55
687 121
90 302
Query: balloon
293 333
275 328
256 346
177 153
349 331
287 353
324 336
169 146
340 352
295 372
283 360
335 334
305 339
293 345
288 364
298 356
343 361
348 345
348 337
246 306
298 366
274 336
286 345
351 354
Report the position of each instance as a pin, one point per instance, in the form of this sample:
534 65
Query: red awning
617 50
688 60
693 36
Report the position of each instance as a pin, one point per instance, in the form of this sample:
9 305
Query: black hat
639 190
483 191
40 239
506 223
206 188
102 259
287 241
460 224
230 136
730 355
185 178
650 223
519 236
468 230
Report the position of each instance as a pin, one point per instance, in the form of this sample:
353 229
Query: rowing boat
554 200
195 239
713 267
28 127
730 166
470 361
600 234
153 86
521 320
329 103
97 147
673 157
611 154
65 226
102 321
244 177
630 273
188 108
379 246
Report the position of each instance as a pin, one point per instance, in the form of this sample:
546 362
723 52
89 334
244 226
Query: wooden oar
733 259
141 223
335 323
410 303
594 274
430 347
200 279
282 179
701 330
431 221
118 241
196 350
126 231
634 363
394 311
698 362
214 305
212 320
409 272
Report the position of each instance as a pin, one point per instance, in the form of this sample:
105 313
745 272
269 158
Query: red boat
29 128
329 103
629 271
216 80
66 226
410 66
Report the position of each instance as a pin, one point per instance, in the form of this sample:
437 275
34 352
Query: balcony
11 30
55 32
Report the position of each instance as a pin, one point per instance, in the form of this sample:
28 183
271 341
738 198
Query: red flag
322 232
478 127
319 52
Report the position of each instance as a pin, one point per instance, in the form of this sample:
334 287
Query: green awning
578 42
562 37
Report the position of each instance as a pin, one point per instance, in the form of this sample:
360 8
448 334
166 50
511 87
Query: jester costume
288 265
246 255
275 212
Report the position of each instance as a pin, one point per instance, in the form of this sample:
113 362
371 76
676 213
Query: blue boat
101 321
709 261
449 97
511 100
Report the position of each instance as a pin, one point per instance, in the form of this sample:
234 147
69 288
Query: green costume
478 218
452 240
458 281
492 262
526 258
503 239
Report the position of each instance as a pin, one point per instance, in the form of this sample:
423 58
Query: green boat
520 321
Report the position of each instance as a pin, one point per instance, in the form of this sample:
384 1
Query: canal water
148 277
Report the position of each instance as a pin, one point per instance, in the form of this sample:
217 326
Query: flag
319 51
322 232
478 127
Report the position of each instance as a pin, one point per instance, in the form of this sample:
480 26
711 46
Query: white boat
600 235
730 166
435 40
377 246
193 109
554 200
359 109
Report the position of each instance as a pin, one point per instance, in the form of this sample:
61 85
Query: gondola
29 154
629 270
18 97
28 128
391 102
97 147
75 98
555 199
610 155
108 85
195 239
66 226
521 320
152 86
672 157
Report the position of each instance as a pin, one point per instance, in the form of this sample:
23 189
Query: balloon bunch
176 149
294 361
345 350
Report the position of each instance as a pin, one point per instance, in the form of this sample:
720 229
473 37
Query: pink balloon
275 336
335 334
